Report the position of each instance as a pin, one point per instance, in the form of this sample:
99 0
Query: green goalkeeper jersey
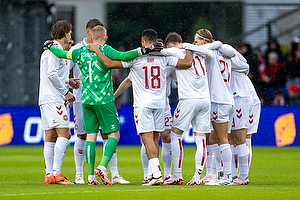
97 86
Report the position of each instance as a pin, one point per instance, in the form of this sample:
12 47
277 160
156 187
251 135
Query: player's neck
88 41
60 41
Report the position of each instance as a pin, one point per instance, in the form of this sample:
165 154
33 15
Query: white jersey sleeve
227 50
239 63
202 50
53 77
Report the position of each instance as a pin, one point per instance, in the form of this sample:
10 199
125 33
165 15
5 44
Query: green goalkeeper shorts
105 115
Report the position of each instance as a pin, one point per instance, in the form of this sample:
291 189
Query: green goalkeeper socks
109 150
90 154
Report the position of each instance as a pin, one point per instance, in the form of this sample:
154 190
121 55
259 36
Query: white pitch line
74 192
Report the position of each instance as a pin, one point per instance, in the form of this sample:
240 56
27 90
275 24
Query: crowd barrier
278 127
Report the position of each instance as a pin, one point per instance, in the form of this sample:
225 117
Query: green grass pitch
274 174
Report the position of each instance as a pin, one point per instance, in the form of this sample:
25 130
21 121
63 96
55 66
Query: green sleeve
123 56
61 53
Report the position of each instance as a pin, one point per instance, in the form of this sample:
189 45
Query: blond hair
205 34
98 32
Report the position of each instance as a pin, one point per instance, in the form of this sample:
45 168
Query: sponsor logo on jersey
60 112
251 119
239 113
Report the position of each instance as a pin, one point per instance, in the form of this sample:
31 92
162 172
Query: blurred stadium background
26 24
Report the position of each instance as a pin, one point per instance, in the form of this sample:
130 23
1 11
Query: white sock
200 156
209 157
79 154
234 162
214 163
91 177
248 141
145 161
177 153
154 167
166 157
243 153
113 163
59 154
218 159
48 156
226 156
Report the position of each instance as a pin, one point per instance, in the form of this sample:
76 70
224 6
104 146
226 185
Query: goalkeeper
98 96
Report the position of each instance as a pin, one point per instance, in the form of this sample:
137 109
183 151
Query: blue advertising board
279 126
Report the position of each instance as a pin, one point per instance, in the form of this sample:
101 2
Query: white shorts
168 117
54 115
195 112
148 119
242 108
78 118
221 113
254 118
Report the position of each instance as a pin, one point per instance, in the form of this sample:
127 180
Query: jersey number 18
154 77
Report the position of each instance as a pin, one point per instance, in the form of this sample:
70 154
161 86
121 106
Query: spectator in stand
285 73
278 98
297 67
273 46
294 95
269 76
293 47
252 60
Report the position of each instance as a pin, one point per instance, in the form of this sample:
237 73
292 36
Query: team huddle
215 96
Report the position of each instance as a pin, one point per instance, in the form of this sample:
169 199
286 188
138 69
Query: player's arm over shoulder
186 62
105 60
119 55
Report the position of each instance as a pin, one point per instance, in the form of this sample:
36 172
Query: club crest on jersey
65 117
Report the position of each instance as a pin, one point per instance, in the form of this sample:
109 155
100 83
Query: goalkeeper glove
155 46
48 44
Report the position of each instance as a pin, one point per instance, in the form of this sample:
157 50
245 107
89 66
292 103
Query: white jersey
76 70
253 93
238 83
192 82
170 75
53 78
219 75
148 76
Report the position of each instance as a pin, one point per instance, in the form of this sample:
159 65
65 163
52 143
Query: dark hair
92 23
173 37
72 36
149 35
60 29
